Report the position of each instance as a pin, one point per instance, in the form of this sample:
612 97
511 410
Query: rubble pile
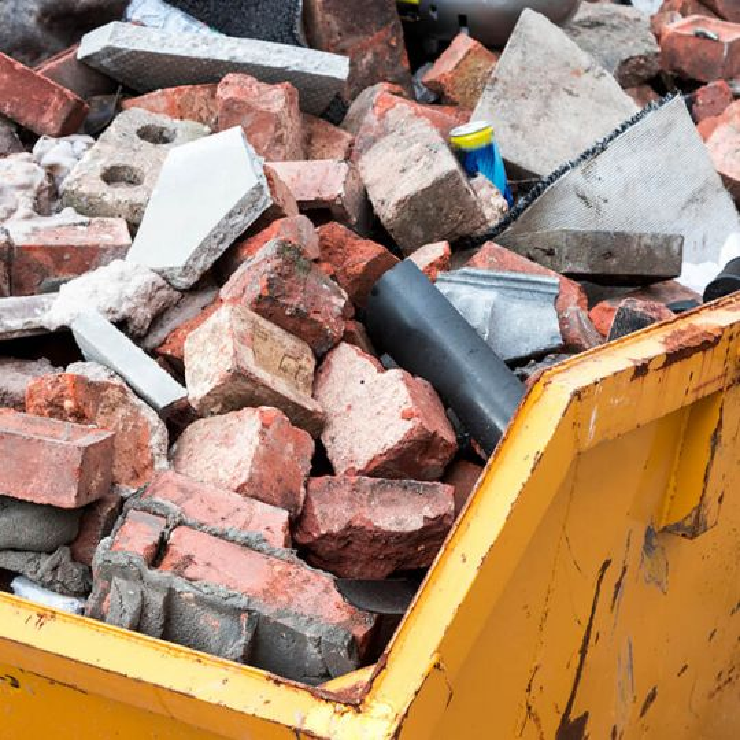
205 426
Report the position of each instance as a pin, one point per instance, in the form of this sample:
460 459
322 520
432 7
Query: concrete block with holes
117 176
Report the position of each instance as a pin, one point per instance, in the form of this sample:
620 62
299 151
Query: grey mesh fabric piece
149 59
654 176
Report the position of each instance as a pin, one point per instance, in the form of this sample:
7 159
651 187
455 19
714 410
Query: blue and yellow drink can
478 153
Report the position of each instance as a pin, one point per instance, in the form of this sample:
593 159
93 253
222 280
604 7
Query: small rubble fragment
15 376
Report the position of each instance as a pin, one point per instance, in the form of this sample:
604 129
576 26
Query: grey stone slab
208 193
148 59
514 313
619 38
101 342
548 100
25 316
617 257
116 176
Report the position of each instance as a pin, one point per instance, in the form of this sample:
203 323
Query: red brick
140 534
15 375
284 204
700 58
710 100
461 72
66 70
355 334
358 527
571 304
282 286
383 424
255 452
326 184
321 140
463 476
238 359
723 144
295 229
275 587
36 102
687 8
172 350
95 524
727 9
356 263
665 292
6 251
602 315
211 506
432 259
371 36
53 462
661 20
270 115
185 103
48 252
140 442
643 95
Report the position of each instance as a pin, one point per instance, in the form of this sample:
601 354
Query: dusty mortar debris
220 382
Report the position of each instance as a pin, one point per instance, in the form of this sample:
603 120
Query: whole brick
699 58
357 527
461 72
432 259
724 148
270 115
355 263
322 140
710 100
216 508
296 229
15 375
186 103
571 304
43 254
282 286
255 452
141 440
96 523
37 103
140 534
54 462
66 70
429 198
382 424
237 359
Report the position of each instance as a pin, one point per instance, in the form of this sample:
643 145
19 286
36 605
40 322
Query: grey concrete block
547 99
117 175
148 59
28 526
513 312
57 572
25 316
619 38
101 342
208 193
611 257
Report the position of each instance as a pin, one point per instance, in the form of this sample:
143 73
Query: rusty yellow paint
589 590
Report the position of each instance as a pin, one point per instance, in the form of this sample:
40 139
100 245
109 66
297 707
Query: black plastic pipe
408 318
728 281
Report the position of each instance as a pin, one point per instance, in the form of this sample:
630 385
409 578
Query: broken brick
461 72
643 95
432 259
237 359
37 103
727 9
66 70
724 144
710 100
356 334
701 58
282 286
356 263
140 534
53 462
463 476
96 523
322 140
284 204
269 115
633 314
185 103
382 424
357 527
255 452
15 375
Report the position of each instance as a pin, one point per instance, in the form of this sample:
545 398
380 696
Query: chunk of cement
208 193
547 99
147 59
605 257
514 313
28 526
652 174
57 572
101 342
24 316
116 176
619 38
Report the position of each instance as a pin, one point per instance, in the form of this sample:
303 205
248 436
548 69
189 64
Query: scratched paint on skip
654 561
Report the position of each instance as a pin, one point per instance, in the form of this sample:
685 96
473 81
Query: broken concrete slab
213 189
636 181
619 38
41 528
606 257
25 316
101 342
116 177
543 120
149 59
514 313
57 572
